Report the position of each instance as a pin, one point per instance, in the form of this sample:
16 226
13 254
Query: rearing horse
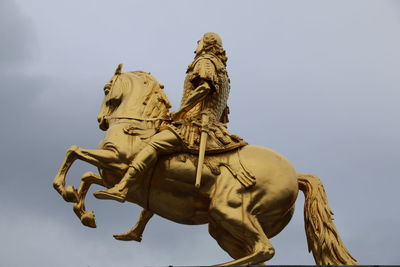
241 219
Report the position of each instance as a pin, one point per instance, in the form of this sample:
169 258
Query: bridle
130 118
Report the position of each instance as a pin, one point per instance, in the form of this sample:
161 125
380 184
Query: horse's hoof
88 219
128 237
71 195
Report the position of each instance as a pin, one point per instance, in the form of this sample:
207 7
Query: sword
202 150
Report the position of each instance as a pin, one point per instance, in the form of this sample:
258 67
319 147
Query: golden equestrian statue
190 161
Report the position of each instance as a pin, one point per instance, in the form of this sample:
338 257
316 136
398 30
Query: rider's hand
176 115
168 116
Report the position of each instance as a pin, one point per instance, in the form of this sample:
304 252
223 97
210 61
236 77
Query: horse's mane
156 103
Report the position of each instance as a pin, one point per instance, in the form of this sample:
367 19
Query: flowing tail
322 236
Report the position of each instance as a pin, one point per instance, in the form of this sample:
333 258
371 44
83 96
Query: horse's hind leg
97 157
227 241
242 238
236 231
136 232
87 217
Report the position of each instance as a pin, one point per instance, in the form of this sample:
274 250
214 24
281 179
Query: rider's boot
120 190
143 160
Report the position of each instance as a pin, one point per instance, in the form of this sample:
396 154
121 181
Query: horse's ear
118 70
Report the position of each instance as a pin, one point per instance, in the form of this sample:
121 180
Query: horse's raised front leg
135 233
87 217
100 158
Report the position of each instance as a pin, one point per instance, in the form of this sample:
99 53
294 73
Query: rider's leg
162 143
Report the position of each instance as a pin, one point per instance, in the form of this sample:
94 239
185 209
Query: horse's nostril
98 119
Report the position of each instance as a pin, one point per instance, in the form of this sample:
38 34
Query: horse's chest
125 144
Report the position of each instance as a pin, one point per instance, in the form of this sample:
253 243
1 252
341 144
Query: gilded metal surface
247 192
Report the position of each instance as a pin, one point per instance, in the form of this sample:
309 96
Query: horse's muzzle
103 123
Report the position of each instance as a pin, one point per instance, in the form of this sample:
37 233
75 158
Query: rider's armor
206 67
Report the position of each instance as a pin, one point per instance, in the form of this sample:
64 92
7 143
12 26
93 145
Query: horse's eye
107 88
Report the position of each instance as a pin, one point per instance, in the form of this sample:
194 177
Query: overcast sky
317 81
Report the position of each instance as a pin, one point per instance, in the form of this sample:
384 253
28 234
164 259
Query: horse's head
132 95
112 98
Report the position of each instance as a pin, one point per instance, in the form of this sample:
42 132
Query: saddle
218 154
230 160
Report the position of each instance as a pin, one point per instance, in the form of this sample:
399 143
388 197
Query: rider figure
206 91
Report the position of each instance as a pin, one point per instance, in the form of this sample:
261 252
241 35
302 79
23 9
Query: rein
136 119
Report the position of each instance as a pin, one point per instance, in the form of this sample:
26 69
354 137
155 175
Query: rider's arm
203 77
195 97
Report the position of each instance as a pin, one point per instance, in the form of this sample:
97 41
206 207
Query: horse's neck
130 107
151 103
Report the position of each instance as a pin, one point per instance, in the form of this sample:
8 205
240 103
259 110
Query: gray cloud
16 35
317 82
